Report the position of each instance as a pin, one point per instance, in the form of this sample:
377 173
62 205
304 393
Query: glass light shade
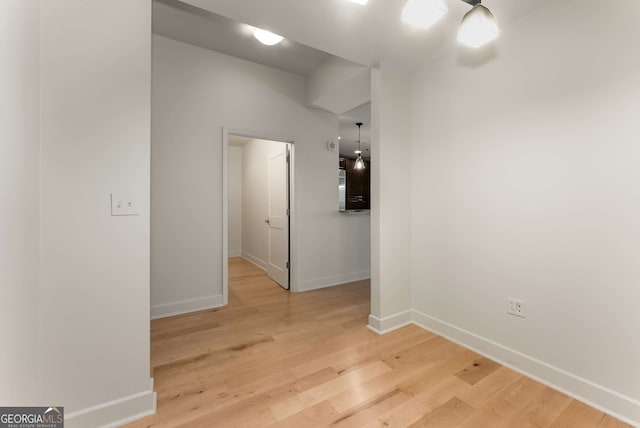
362 2
359 163
423 13
267 37
478 27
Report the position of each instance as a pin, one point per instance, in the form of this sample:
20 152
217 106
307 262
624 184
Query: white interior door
278 221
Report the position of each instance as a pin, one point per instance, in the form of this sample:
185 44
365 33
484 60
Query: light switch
121 205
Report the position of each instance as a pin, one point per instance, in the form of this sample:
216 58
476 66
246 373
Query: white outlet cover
123 206
516 307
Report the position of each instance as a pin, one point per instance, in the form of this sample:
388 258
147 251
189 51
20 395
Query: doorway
258 215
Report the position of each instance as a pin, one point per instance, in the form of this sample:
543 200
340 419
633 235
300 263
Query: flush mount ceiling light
424 13
359 161
478 26
362 2
267 37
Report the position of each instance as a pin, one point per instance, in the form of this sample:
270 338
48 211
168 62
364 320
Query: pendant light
478 26
359 161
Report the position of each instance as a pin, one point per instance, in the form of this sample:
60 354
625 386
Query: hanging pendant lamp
478 26
359 161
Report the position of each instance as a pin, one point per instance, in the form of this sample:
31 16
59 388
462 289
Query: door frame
225 203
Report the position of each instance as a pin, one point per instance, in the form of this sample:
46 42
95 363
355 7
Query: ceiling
189 24
367 35
364 34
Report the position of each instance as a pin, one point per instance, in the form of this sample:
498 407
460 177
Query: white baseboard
186 306
115 413
330 281
604 399
255 260
393 322
235 253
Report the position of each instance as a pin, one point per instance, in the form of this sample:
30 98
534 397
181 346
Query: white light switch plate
123 205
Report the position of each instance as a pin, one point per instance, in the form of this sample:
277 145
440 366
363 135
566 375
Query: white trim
225 206
602 398
254 260
330 281
235 253
618 405
115 413
293 219
225 216
186 306
390 323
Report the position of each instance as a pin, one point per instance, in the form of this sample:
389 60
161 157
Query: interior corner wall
95 138
255 199
391 201
526 184
20 195
235 201
197 92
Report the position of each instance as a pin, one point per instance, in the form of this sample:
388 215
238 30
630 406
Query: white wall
235 201
526 184
95 111
255 199
19 193
391 197
195 93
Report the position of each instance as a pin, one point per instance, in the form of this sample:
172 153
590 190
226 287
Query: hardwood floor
279 359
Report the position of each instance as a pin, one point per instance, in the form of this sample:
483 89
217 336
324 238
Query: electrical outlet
123 205
516 307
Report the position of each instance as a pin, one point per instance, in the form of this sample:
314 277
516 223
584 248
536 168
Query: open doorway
258 209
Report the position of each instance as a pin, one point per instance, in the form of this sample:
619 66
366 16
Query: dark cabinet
358 186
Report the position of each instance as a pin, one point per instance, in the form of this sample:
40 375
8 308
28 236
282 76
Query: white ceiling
189 24
363 34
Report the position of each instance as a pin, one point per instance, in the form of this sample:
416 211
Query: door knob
267 221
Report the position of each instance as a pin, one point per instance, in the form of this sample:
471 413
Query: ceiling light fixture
267 37
478 26
359 161
424 13
361 2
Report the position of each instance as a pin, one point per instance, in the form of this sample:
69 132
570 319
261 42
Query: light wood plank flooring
279 359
